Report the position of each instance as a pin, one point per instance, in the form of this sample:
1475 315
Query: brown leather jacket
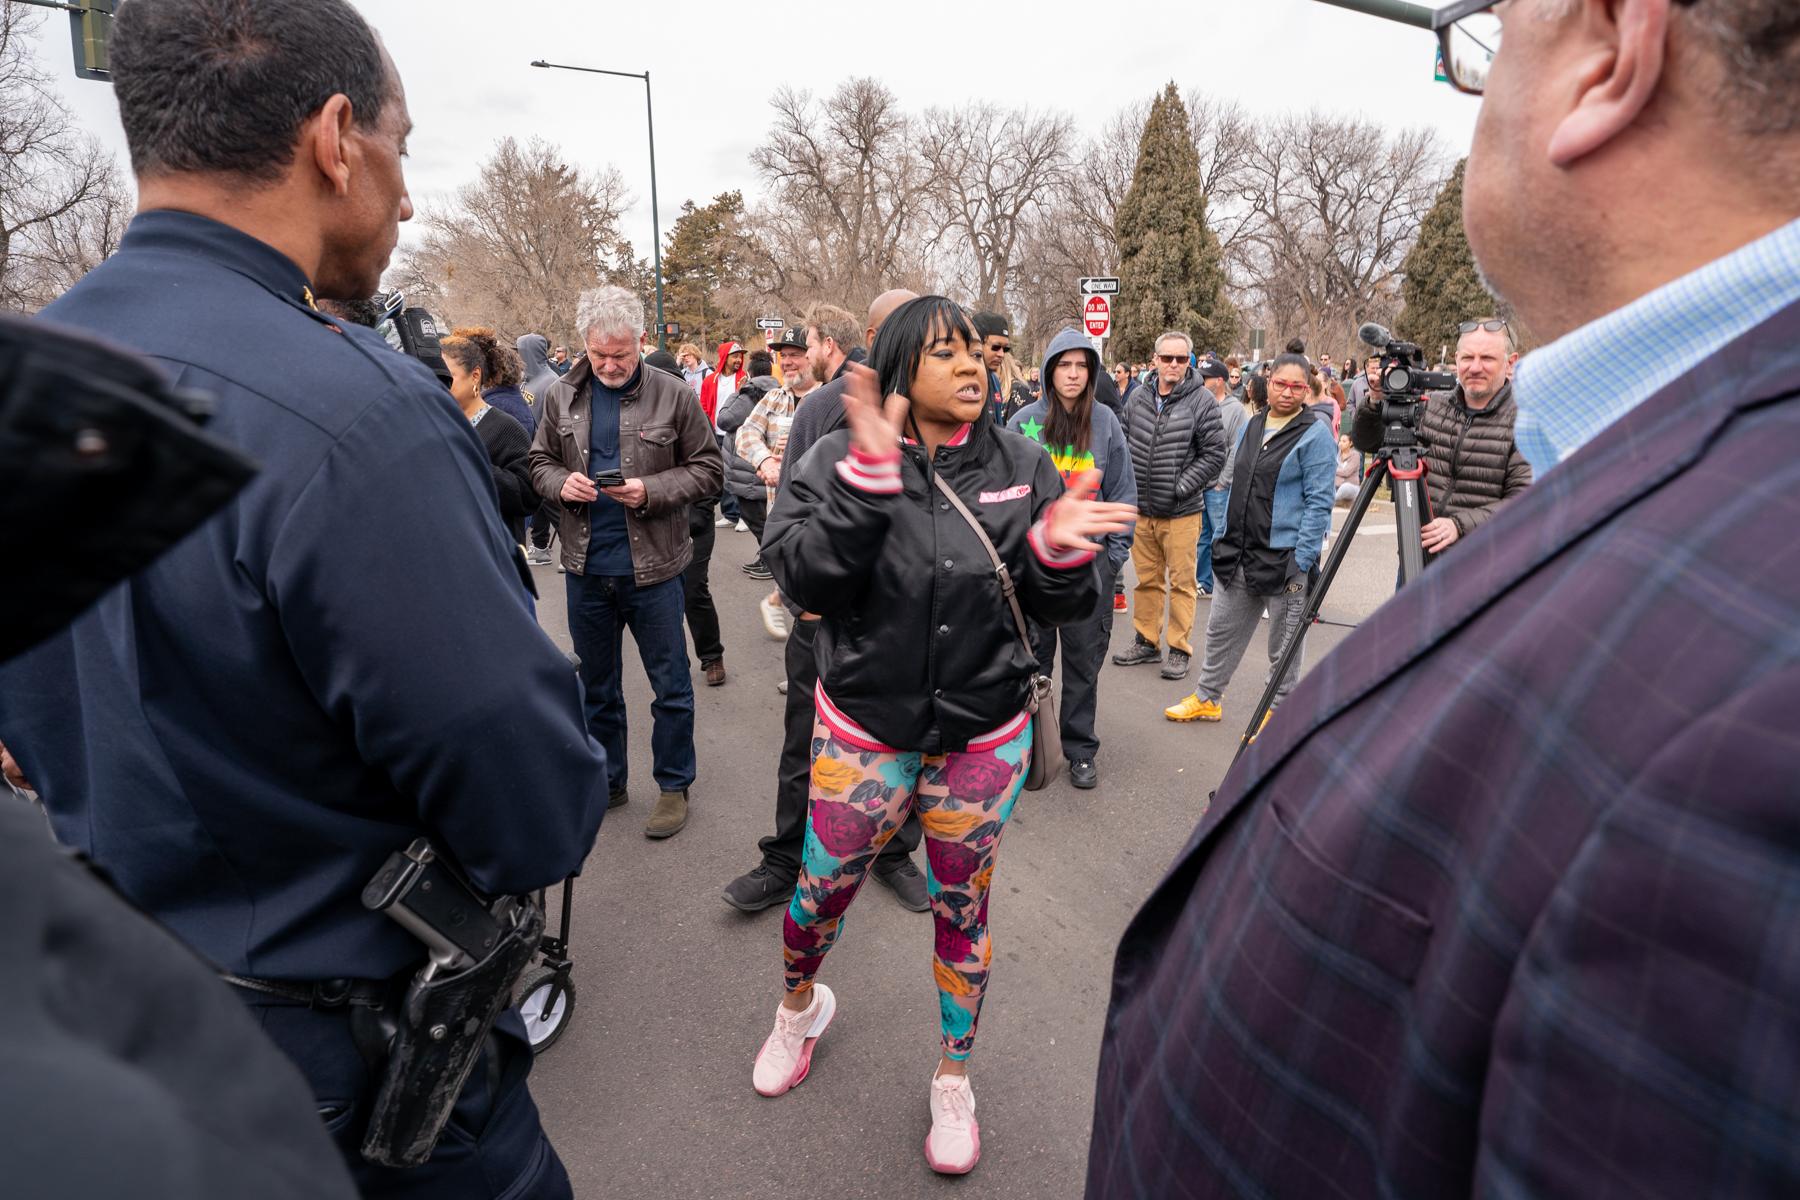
664 440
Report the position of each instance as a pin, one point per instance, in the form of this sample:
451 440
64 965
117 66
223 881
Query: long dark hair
906 333
1256 392
1071 427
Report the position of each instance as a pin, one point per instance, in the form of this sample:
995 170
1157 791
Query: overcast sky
715 65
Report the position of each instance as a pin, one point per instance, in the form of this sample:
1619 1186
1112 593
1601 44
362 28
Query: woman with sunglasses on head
923 678
1276 520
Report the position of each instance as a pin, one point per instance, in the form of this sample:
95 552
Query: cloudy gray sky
715 65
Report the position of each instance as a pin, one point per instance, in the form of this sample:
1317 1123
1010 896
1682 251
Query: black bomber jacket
917 643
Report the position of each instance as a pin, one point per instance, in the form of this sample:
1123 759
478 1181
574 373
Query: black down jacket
740 479
1471 462
918 645
1176 453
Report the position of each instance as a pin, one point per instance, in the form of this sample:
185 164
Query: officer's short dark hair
224 85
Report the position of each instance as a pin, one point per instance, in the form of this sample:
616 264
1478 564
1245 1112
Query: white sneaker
774 618
786 1054
953 1146
723 522
741 527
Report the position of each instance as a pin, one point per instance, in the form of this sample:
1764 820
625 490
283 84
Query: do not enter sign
1096 314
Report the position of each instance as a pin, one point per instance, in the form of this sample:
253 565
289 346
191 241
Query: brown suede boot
669 815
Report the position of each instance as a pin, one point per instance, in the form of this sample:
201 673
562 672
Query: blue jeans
1212 523
601 608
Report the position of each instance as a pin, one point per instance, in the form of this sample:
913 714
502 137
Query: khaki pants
1168 544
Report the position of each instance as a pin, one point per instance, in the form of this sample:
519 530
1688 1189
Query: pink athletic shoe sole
820 1024
941 1168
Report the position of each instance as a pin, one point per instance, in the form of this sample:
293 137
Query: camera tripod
1399 461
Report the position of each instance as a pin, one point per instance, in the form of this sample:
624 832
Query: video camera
411 331
1404 382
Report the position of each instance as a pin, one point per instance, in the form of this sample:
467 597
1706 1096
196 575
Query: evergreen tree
706 265
1440 287
1171 273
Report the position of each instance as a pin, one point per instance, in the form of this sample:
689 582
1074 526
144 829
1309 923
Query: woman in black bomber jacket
922 676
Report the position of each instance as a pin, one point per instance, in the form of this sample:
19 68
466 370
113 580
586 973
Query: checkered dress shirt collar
1647 345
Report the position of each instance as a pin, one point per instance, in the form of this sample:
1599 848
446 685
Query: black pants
756 515
493 1144
543 523
1084 646
702 617
793 780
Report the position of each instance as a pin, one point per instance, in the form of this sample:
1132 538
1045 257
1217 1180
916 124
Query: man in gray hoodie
534 352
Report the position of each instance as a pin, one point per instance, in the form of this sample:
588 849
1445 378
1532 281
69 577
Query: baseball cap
1213 369
789 338
992 324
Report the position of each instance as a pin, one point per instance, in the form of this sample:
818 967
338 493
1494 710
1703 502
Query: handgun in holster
478 947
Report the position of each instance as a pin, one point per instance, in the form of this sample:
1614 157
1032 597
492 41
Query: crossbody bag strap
1005 576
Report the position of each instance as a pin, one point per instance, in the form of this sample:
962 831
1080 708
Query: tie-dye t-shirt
1066 459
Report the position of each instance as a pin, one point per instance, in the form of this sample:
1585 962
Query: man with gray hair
1177 450
623 451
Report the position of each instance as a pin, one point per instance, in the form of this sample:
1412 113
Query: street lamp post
1403 11
662 341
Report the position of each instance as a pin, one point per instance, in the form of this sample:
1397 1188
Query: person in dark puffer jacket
1471 461
1177 451
923 677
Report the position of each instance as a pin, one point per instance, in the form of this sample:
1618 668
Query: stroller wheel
545 1019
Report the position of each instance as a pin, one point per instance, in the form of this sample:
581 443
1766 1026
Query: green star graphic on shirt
1031 429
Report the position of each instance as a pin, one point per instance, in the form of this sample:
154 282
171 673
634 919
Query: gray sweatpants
1231 625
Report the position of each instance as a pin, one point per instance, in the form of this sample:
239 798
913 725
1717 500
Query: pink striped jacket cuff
867 473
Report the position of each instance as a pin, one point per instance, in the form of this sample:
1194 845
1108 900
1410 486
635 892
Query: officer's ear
327 134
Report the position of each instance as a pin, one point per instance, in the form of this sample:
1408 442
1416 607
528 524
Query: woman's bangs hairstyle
909 331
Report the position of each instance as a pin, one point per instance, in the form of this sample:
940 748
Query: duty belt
320 993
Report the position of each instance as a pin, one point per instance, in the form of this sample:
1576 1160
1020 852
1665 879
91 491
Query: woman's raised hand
1077 518
875 428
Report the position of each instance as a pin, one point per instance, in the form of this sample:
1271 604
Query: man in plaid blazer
1506 901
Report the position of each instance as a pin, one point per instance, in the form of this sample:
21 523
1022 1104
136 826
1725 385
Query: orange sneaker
1193 708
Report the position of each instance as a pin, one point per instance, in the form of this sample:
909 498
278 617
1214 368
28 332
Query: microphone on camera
1374 335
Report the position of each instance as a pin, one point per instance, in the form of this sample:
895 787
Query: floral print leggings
859 799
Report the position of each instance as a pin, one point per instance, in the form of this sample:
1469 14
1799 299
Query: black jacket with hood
1177 451
918 645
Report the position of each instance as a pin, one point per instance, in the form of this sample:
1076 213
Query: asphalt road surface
648 1092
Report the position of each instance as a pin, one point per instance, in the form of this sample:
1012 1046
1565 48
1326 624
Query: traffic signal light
90 23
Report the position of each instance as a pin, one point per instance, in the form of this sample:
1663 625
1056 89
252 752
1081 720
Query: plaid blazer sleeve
1653 1029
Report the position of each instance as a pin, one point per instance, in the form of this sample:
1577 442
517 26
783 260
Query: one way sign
1100 285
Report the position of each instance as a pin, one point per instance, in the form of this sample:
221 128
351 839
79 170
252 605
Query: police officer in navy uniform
344 659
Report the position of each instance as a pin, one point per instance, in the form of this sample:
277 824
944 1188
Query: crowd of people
1489 908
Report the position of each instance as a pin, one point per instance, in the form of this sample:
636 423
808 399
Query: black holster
441 1025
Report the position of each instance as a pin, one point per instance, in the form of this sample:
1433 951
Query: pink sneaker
786 1055
953 1146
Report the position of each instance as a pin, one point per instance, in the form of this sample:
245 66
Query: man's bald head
883 306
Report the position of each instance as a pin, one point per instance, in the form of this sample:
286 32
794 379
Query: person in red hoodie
715 392
725 380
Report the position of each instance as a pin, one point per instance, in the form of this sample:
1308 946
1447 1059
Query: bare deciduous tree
990 172
516 248
842 219
1333 205
61 196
